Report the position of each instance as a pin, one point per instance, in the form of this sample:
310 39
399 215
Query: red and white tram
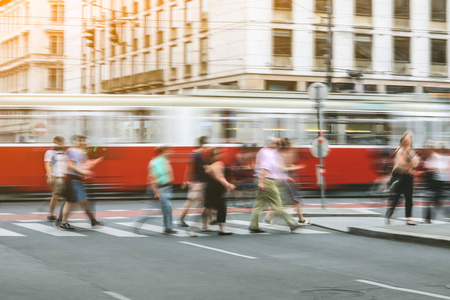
125 129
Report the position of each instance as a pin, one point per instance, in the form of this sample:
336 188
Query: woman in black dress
216 186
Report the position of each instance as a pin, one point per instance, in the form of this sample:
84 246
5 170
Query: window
188 53
397 89
160 20
147 66
173 16
57 44
204 6
401 49
370 88
159 59
280 85
103 73
363 7
135 64
320 44
112 69
147 24
321 6
282 42
401 9
363 47
189 12
92 75
135 7
57 13
55 78
438 51
439 10
282 4
204 50
123 67
173 53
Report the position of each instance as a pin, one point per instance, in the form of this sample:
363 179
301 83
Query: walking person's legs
408 192
165 194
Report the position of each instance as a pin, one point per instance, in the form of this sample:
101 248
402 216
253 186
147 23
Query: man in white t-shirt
55 164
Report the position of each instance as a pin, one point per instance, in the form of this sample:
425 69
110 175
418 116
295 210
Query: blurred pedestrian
55 164
288 186
405 162
195 179
79 169
216 187
268 167
436 170
160 177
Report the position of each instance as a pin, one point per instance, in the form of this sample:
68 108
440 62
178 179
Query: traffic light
113 36
90 37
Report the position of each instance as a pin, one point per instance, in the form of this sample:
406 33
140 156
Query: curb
401 236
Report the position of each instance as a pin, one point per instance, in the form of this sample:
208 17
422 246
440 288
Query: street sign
317 91
324 148
40 129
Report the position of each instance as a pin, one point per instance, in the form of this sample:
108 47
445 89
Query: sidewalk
366 223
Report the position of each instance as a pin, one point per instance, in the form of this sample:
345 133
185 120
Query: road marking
159 229
115 218
4 232
6 214
216 228
404 290
31 221
278 227
118 210
117 296
109 230
219 250
39 213
48 229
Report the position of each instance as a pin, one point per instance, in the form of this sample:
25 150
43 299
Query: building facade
166 46
32 46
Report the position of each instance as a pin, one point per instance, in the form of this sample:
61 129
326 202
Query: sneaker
294 227
182 223
170 231
51 218
97 224
213 222
66 226
57 223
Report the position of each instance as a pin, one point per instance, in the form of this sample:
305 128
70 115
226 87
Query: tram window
356 130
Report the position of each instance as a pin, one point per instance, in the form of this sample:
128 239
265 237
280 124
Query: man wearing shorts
55 164
78 169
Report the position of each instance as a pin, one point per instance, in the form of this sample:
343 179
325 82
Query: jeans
165 194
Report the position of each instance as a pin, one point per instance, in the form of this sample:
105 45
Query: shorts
58 185
75 190
196 191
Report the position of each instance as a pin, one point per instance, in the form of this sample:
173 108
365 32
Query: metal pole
329 48
321 160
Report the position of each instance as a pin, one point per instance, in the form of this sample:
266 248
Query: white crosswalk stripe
238 227
277 227
47 229
159 229
108 230
5 232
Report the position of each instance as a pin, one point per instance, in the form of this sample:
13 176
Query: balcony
438 70
401 23
281 62
363 64
282 16
173 34
438 26
320 64
140 80
203 68
188 29
187 71
363 21
159 37
173 74
401 68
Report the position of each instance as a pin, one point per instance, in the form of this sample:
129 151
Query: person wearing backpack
55 164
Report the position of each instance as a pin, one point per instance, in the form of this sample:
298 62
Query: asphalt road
311 264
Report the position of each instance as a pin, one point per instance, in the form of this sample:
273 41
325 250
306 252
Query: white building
31 46
164 46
